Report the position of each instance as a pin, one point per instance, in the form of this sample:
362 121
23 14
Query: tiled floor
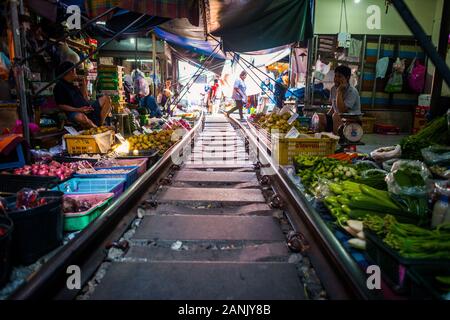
374 141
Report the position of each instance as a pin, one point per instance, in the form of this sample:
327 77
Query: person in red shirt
212 95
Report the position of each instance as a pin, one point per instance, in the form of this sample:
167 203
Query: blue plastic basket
92 186
14 159
130 177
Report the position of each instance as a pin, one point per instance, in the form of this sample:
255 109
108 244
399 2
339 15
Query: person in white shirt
239 94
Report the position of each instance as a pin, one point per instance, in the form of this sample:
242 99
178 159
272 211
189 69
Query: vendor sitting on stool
75 102
148 103
344 98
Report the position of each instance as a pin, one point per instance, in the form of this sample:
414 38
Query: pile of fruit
278 122
73 205
53 169
160 141
94 131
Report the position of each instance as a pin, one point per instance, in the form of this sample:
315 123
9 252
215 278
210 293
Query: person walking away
281 86
239 95
75 101
344 98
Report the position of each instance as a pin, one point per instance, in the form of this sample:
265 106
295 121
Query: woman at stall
75 101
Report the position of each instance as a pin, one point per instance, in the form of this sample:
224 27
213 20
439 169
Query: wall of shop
363 17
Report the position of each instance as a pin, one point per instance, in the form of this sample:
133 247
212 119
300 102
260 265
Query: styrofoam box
424 100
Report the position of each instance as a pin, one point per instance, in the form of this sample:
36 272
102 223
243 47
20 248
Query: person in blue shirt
149 104
281 86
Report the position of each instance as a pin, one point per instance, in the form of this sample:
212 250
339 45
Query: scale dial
353 132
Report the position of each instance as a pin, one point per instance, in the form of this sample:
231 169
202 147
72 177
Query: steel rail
340 274
51 277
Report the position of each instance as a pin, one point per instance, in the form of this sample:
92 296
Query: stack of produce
313 168
436 132
110 82
53 169
160 141
274 121
352 200
74 205
409 240
94 131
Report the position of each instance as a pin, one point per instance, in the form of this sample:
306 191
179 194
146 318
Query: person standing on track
239 95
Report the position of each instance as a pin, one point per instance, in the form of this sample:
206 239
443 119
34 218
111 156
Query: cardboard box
421 112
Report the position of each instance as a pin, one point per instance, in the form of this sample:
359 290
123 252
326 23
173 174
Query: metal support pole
418 32
363 62
154 62
18 70
308 73
374 89
92 53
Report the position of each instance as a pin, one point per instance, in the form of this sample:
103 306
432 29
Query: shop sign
292 134
71 130
293 118
120 137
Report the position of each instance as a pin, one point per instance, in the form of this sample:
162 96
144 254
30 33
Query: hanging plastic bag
399 66
416 78
381 67
67 54
5 66
395 83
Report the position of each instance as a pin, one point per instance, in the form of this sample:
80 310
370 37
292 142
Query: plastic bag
41 156
381 67
322 189
416 78
67 54
5 66
436 155
395 83
387 165
28 198
408 178
386 153
399 66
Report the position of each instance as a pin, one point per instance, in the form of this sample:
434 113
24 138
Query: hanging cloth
355 48
381 67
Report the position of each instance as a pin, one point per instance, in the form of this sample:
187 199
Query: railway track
222 223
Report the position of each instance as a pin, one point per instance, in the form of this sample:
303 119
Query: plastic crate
14 159
92 186
424 284
74 221
141 163
368 124
386 129
130 177
393 266
5 249
99 143
152 157
10 183
287 149
37 231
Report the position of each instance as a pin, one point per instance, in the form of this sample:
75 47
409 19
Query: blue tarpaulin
197 46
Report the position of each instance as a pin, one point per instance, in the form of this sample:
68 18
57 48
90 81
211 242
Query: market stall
388 207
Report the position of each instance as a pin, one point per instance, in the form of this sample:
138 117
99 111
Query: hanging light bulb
357 1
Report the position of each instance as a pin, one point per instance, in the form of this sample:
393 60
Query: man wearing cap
75 101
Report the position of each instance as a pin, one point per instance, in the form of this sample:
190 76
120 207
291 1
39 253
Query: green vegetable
409 240
444 280
434 133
